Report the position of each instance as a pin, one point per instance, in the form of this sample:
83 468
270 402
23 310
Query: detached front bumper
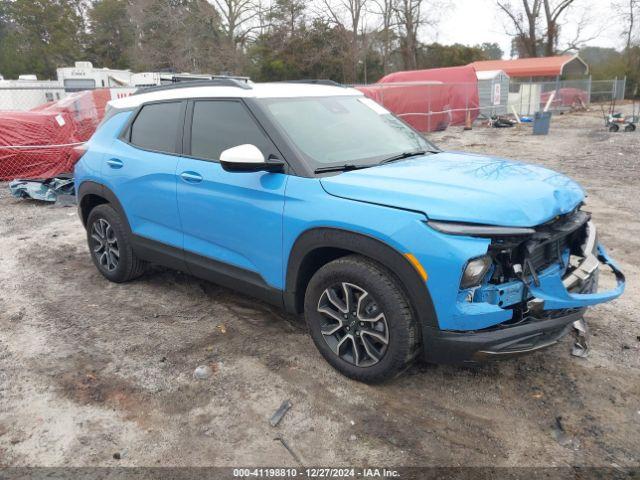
447 347
557 307
555 291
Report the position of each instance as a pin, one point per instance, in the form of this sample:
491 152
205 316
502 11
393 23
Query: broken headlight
474 271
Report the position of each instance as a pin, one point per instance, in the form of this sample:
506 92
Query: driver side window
221 124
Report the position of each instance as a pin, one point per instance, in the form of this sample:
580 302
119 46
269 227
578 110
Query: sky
476 21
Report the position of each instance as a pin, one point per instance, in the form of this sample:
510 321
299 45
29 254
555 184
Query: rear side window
156 127
219 125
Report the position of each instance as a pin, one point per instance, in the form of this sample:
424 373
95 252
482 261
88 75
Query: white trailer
151 79
28 92
83 76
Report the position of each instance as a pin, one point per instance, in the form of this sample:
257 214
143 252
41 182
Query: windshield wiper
404 155
340 168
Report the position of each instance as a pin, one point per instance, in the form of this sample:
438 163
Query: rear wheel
110 245
630 127
360 319
614 127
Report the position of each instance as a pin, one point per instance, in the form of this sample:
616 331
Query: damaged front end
538 282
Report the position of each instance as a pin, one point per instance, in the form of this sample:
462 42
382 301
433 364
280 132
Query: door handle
115 163
191 177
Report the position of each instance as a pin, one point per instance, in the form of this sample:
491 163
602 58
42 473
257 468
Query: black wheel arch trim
359 243
89 187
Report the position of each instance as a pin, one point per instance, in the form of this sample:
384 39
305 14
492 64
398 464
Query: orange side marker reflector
416 264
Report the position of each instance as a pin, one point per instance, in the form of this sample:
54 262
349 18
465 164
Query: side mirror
248 158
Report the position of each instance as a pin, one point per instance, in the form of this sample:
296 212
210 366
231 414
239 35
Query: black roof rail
317 81
215 82
240 78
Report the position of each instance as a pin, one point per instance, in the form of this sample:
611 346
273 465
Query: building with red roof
570 66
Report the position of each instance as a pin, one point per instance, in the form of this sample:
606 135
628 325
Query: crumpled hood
463 187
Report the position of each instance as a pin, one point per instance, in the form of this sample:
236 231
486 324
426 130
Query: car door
141 171
232 221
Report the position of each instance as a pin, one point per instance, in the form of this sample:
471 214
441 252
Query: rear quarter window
156 127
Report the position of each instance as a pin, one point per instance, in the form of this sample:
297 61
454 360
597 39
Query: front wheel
360 319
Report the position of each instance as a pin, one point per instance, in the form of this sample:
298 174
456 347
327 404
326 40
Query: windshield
344 130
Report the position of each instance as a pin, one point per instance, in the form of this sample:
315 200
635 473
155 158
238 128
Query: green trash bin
541 123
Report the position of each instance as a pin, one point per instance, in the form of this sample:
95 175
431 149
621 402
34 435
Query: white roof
489 74
258 90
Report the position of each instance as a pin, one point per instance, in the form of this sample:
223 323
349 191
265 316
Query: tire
614 127
117 264
373 293
630 128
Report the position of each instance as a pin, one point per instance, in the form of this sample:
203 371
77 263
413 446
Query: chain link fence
433 106
528 97
427 106
42 126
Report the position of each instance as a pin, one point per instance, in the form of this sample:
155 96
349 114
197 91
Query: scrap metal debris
279 414
581 345
501 122
288 448
45 190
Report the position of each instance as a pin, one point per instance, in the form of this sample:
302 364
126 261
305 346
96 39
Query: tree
491 51
536 25
385 9
411 16
604 63
525 24
288 14
240 18
11 64
181 35
111 34
348 15
436 55
236 17
324 45
552 13
273 55
317 50
40 35
628 11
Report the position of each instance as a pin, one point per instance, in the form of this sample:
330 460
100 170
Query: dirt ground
90 369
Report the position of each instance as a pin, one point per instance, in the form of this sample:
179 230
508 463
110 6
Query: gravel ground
90 369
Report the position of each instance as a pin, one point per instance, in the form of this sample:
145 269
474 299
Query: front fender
318 238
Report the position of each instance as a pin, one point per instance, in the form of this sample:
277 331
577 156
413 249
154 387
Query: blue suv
318 200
